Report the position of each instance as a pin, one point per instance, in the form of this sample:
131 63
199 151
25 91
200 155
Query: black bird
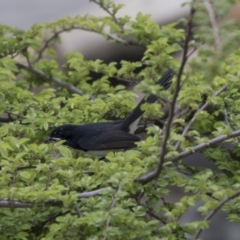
100 138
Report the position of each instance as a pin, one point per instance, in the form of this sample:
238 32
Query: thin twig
154 174
119 24
191 122
175 95
10 118
6 120
28 61
214 24
25 167
57 81
14 114
55 35
213 212
145 178
20 204
217 41
226 117
49 40
93 193
113 203
111 14
39 226
202 146
103 33
122 41
153 215
182 113
190 53
78 211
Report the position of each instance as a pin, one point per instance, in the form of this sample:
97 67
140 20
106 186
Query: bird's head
62 132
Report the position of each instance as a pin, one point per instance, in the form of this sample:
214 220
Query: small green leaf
65 151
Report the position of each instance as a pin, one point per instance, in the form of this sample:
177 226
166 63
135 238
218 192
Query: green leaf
65 151
27 176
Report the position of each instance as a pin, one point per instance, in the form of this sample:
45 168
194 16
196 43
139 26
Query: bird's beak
52 139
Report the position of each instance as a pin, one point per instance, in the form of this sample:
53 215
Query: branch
154 215
15 204
128 40
57 81
6 120
145 178
119 24
214 24
93 193
111 14
108 36
113 203
25 167
19 204
48 41
213 212
154 174
10 118
78 211
204 106
39 226
202 146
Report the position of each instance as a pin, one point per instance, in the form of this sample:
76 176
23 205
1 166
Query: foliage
43 186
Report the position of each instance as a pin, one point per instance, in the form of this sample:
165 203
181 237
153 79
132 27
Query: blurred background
24 13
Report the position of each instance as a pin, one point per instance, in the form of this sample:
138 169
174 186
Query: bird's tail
165 82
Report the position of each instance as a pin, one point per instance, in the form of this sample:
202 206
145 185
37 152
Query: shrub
53 192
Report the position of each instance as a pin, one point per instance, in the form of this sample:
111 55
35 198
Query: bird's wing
110 140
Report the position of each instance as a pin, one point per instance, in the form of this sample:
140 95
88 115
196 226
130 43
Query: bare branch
93 193
112 14
214 24
103 33
6 120
48 41
113 203
15 204
154 174
78 211
10 118
182 113
108 36
154 215
202 146
213 212
39 226
145 178
226 117
57 81
191 122
7 203
25 167
127 41
14 114
190 53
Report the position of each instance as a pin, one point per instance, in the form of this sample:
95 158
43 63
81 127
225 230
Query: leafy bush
53 192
